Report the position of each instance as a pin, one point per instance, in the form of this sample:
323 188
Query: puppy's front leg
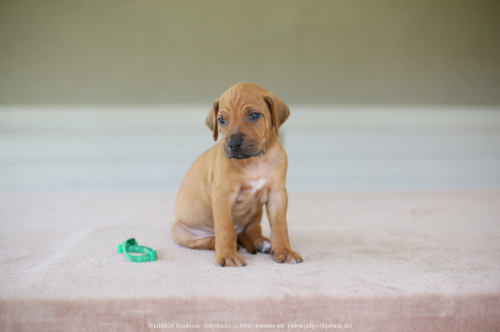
276 212
225 235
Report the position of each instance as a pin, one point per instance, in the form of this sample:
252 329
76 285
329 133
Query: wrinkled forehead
242 95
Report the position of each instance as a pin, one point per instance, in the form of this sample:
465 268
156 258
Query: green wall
163 51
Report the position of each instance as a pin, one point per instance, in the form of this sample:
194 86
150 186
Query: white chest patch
256 185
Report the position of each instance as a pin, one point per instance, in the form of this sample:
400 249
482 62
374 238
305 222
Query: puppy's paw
229 260
263 245
286 255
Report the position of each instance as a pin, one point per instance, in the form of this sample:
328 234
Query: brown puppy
221 198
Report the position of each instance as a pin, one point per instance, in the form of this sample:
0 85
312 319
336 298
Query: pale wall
340 52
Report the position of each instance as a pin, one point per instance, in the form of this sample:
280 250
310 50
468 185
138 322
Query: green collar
130 245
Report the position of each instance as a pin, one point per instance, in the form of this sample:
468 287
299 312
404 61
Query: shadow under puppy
220 201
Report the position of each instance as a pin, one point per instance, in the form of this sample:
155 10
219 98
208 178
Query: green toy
130 245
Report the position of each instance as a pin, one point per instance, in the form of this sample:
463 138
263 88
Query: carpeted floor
427 261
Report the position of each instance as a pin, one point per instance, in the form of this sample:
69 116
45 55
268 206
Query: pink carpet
372 262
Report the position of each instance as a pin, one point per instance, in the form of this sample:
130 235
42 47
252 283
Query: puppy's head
246 115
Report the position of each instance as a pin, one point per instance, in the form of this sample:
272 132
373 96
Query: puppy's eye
254 116
221 121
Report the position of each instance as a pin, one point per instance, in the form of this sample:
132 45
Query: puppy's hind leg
192 238
247 243
251 238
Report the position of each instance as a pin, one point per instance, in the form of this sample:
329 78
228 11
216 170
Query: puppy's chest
252 192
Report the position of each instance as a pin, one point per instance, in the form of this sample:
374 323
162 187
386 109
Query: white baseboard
330 148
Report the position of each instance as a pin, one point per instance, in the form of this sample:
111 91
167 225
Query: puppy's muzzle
237 148
235 142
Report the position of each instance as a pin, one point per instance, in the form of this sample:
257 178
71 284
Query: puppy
221 199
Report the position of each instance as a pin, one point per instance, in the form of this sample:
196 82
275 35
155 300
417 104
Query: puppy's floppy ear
279 111
211 120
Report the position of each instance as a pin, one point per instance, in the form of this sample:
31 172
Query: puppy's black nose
234 142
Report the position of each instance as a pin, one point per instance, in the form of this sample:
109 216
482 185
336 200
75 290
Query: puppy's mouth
243 151
241 156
